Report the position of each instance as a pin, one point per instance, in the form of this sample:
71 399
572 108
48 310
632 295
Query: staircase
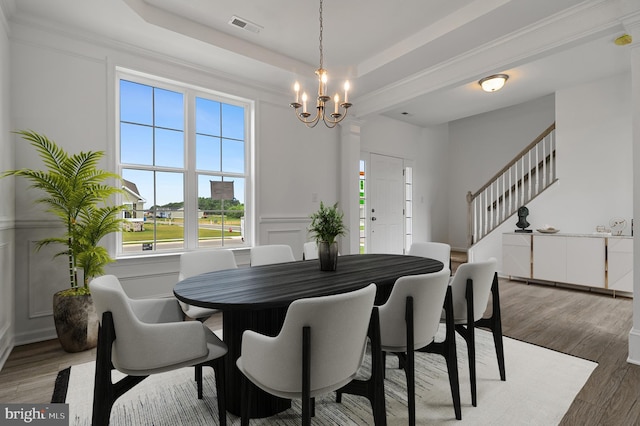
529 173
457 259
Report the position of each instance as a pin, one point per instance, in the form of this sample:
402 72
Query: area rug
540 386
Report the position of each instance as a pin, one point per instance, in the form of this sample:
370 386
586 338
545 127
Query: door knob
373 218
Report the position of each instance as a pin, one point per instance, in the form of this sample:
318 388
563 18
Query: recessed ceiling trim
438 29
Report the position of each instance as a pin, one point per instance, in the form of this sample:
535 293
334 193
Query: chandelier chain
321 28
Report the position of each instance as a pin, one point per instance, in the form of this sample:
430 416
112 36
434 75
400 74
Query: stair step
459 256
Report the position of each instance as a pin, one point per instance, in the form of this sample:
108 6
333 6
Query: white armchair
310 250
471 285
143 337
409 321
433 250
270 254
319 349
198 262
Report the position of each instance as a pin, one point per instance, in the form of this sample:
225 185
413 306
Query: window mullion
191 180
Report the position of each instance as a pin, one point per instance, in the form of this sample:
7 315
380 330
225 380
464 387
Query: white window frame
190 189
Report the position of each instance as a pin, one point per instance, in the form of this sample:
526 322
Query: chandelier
336 116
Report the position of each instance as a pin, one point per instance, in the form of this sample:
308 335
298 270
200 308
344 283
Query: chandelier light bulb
296 87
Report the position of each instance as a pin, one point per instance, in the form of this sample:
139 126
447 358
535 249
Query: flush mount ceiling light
493 83
340 108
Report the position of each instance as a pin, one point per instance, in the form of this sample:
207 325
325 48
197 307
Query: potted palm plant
75 191
326 225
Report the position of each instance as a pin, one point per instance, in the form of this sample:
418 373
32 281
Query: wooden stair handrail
515 160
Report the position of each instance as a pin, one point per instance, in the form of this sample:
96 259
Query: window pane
169 148
169 109
138 231
221 211
136 103
207 117
156 200
136 144
232 122
207 153
232 156
170 211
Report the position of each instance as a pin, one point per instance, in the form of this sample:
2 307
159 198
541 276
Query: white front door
386 215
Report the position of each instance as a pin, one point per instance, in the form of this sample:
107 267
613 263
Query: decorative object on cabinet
523 212
548 229
617 225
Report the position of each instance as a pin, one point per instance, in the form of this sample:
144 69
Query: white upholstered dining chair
319 349
310 250
472 285
270 254
409 321
144 337
433 250
198 262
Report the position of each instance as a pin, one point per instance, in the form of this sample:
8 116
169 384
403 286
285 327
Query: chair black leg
447 349
105 392
468 333
373 388
494 323
306 376
245 392
198 370
218 368
409 367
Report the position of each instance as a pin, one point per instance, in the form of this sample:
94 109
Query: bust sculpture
523 212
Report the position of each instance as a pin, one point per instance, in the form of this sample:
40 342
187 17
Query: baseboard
35 336
634 347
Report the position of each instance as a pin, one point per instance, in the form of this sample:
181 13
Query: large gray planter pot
328 255
76 322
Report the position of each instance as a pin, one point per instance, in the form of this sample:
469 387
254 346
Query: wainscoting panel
46 276
291 231
7 300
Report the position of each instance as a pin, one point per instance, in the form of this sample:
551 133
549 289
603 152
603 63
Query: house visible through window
184 161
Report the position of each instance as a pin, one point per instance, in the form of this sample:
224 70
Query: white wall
71 100
427 150
7 203
481 145
594 164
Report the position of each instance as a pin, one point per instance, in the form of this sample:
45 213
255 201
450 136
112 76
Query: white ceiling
421 57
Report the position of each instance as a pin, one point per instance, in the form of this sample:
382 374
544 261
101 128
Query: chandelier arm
309 123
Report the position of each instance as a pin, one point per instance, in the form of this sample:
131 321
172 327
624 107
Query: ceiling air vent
236 21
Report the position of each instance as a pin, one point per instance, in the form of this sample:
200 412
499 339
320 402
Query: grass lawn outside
175 232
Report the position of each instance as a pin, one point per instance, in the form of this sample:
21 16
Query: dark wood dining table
256 298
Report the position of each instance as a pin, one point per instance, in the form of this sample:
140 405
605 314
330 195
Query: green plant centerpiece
326 225
77 193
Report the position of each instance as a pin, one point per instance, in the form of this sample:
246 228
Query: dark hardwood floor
585 324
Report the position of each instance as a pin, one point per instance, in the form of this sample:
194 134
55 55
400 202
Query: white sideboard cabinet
588 260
